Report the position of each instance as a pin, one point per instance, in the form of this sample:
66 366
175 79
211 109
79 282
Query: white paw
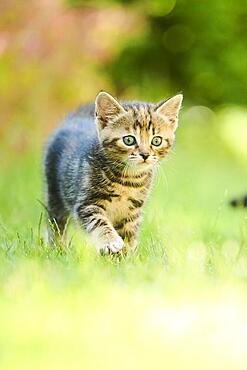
113 245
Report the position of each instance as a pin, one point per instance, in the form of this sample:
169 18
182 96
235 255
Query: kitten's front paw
113 245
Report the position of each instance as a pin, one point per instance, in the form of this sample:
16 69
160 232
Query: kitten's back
67 151
78 130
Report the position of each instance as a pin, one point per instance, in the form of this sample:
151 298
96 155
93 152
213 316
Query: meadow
178 302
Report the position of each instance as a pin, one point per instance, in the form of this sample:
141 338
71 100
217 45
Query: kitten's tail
239 202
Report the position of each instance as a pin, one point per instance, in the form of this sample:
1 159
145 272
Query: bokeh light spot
160 8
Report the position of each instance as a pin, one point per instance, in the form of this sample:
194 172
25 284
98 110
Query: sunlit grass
178 302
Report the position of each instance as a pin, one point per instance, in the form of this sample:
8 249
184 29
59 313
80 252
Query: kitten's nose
144 155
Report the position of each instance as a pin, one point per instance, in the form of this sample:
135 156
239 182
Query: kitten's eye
129 140
156 140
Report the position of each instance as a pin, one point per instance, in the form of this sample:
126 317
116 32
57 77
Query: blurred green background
179 302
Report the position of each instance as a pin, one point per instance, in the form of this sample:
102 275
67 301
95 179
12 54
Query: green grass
178 302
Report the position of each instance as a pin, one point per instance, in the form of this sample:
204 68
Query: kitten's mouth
138 162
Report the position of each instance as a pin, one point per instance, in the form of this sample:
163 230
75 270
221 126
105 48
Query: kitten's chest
125 202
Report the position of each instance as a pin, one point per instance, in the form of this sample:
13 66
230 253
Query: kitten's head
137 134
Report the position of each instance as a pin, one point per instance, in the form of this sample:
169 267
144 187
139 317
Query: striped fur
93 175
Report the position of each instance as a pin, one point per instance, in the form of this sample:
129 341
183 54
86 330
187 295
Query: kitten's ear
106 107
170 109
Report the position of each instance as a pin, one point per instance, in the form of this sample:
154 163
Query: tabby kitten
99 166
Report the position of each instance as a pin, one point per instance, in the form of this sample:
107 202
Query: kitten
99 166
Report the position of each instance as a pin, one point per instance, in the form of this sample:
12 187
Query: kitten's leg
128 229
56 227
57 214
57 218
94 219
